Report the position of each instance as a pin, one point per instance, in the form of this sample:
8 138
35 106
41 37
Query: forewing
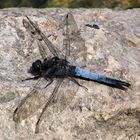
36 33
73 42
42 50
66 40
33 101
54 50
32 30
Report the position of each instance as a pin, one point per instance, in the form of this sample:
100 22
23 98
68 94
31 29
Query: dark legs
50 81
37 77
76 82
31 78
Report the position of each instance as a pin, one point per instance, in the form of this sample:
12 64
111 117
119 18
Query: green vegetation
58 3
120 4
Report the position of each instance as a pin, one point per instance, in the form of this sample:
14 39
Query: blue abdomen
87 75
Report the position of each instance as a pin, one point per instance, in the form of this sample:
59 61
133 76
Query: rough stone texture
102 113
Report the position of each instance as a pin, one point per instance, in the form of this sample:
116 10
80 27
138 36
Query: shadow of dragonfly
59 68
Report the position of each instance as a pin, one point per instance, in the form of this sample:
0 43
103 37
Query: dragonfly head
36 68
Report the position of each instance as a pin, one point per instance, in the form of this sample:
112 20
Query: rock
101 112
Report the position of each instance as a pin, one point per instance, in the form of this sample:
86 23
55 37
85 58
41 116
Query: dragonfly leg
50 81
76 82
83 66
31 78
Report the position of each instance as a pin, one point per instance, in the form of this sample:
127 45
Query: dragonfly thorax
48 67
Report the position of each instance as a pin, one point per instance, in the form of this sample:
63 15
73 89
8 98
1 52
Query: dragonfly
59 68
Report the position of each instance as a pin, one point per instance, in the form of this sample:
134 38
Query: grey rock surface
101 113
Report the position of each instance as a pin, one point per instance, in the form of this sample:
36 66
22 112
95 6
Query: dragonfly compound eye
37 65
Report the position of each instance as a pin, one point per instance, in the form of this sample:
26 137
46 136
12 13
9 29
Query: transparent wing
50 100
33 101
42 50
73 42
44 42
62 99
34 34
66 94
66 40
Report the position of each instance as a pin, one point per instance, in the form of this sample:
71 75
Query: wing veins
55 51
19 108
50 100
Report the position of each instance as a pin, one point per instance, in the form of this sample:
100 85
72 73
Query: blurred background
114 4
